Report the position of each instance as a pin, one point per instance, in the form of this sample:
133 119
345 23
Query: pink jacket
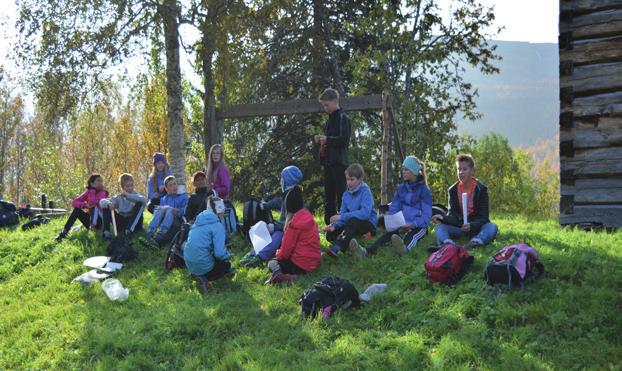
91 197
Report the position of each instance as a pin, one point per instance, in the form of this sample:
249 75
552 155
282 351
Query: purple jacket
221 182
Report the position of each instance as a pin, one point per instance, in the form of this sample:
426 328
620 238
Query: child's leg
354 227
445 233
157 219
413 236
289 267
76 214
107 219
384 239
136 219
329 194
220 269
332 236
486 234
167 221
268 252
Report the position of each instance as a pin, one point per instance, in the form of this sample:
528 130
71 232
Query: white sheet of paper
465 207
394 222
96 261
260 236
112 267
90 277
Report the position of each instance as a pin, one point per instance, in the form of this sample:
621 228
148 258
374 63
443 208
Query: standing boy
478 227
333 151
128 207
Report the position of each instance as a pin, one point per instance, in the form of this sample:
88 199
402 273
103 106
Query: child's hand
156 195
175 212
111 206
437 218
335 218
322 139
406 228
329 228
465 227
85 205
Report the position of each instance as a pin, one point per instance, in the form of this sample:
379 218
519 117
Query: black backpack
330 291
120 250
35 222
252 214
175 256
8 214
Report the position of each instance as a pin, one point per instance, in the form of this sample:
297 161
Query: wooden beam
384 156
598 51
586 6
593 79
299 106
608 215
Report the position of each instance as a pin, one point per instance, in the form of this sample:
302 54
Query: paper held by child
394 222
465 207
260 236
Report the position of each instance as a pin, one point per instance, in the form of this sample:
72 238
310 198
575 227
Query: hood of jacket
206 217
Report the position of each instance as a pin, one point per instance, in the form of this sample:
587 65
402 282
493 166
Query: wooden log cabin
590 148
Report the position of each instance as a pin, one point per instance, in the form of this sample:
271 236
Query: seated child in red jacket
300 247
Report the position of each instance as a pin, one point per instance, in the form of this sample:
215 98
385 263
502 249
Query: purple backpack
514 264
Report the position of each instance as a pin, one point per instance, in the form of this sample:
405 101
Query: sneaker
107 235
472 244
274 278
398 244
203 284
245 260
60 236
230 273
357 250
281 277
333 251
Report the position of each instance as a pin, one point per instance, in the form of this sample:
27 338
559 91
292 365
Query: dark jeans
354 227
221 267
87 219
284 266
410 239
334 186
132 222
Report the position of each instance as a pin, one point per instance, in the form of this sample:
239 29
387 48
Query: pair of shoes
357 250
61 235
398 244
203 284
333 251
472 244
251 261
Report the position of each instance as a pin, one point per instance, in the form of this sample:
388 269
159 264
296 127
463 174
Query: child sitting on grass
168 213
128 207
205 253
300 248
198 200
290 177
479 228
414 200
155 184
357 216
86 206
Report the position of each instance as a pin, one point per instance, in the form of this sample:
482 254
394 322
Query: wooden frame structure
311 106
590 121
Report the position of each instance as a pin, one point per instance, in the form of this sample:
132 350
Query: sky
533 21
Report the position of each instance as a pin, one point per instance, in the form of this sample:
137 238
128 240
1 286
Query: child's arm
137 198
287 244
79 201
218 238
344 134
396 205
182 205
150 192
222 189
363 213
423 219
274 203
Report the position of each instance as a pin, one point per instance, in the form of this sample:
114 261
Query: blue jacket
206 242
160 175
357 203
414 199
178 201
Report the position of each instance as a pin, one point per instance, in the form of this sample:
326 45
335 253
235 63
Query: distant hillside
522 101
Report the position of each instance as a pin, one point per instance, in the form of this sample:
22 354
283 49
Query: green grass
570 319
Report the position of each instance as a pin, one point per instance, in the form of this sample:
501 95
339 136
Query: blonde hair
329 94
124 178
210 166
422 172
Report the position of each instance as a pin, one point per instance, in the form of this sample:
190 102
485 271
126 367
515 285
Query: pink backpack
514 264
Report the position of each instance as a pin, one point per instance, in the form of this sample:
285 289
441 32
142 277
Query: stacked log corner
590 122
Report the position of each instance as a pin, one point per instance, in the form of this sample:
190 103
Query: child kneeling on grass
479 228
357 216
414 199
169 212
300 248
205 253
128 207
86 206
290 177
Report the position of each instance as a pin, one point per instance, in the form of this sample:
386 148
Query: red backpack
448 264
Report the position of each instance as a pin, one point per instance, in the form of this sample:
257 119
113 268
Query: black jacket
196 204
478 218
337 131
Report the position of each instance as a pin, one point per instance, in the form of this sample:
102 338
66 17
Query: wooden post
386 137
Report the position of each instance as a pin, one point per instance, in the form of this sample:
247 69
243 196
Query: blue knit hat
412 164
157 157
290 176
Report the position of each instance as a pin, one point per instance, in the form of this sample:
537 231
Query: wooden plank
584 6
582 52
299 106
613 28
594 79
608 215
594 162
607 104
594 137
595 191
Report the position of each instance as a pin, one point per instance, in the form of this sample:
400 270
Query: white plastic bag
373 290
114 290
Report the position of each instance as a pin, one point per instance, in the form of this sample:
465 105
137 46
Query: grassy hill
569 319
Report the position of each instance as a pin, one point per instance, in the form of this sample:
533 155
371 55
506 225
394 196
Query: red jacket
91 197
301 242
